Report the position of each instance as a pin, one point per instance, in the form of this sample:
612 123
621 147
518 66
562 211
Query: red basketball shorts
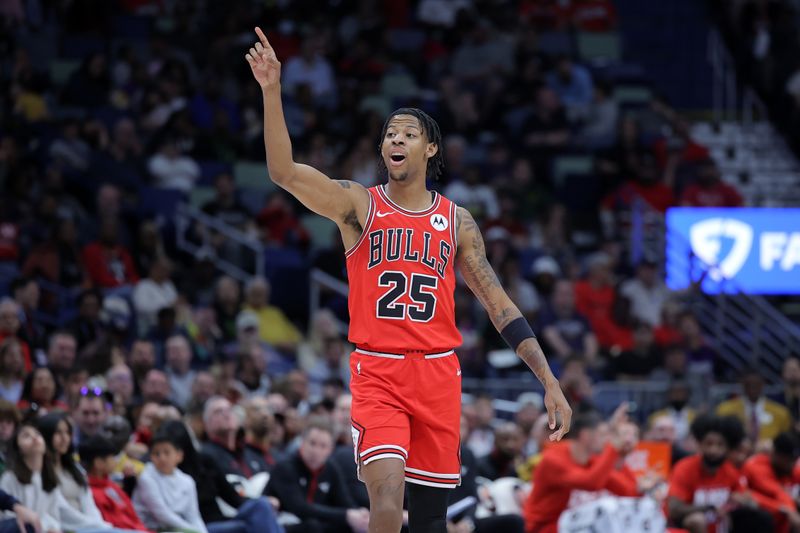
408 406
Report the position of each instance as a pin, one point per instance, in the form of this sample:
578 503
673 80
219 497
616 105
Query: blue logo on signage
751 250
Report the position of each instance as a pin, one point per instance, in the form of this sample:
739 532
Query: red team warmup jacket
770 491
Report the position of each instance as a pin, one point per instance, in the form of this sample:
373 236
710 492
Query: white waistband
401 356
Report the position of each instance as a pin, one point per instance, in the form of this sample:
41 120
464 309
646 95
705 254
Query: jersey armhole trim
367 225
453 228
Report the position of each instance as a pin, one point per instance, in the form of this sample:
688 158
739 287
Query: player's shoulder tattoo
345 184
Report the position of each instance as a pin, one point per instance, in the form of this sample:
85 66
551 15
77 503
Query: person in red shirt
587 462
706 488
594 296
98 458
107 262
708 189
774 479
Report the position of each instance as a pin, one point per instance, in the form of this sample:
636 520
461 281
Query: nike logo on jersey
381 215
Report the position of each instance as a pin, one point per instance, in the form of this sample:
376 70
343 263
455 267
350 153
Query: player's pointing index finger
262 37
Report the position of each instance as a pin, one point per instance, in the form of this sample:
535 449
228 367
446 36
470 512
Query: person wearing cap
530 407
248 340
545 272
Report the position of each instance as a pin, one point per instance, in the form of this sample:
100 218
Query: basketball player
401 243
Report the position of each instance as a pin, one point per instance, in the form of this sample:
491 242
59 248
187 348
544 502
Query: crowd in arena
132 372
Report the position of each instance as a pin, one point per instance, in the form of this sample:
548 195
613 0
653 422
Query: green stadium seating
632 94
62 69
320 230
571 164
252 175
599 46
201 195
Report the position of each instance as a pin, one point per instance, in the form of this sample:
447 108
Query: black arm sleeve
284 484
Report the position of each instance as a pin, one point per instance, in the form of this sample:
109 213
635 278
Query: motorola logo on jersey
397 244
439 222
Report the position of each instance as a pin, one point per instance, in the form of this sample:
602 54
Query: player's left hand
557 408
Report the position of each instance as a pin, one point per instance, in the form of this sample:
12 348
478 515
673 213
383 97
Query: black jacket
243 461
320 495
211 484
345 460
7 501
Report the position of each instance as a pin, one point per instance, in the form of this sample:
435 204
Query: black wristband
516 332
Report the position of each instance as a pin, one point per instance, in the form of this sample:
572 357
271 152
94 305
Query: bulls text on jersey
396 244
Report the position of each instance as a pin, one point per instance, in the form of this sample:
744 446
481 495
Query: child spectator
98 457
31 479
165 497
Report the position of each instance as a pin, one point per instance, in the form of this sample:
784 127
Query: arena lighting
750 250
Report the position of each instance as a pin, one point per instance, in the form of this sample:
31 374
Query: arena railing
196 232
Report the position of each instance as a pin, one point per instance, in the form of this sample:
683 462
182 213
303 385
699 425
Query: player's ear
431 150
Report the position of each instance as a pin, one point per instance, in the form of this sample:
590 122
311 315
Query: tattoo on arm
482 280
344 184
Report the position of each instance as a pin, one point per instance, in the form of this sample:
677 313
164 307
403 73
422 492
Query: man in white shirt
647 293
178 370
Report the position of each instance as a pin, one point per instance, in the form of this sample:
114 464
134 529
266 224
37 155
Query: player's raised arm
507 318
338 201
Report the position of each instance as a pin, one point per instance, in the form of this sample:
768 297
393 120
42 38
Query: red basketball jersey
402 277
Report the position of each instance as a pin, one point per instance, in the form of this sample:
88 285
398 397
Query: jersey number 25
423 304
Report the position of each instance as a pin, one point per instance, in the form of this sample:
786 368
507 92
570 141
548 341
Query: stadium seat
62 69
211 169
571 164
320 229
200 195
252 175
154 201
555 43
599 47
632 94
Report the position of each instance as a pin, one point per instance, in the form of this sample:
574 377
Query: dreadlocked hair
430 128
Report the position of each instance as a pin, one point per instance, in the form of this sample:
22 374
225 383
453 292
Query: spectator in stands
573 85
774 478
259 423
678 410
762 418
10 418
172 169
481 436
222 427
58 260
141 359
108 262
154 292
576 383
274 326
279 223
120 385
12 370
252 514
585 462
506 454
25 292
87 328
252 372
90 413
98 458
179 369
165 497
56 430
156 387
226 206
227 305
331 510
646 292
468 488
530 405
708 189
61 353
662 429
332 362
642 359
594 296
40 392
598 126
702 356
565 330
705 487
310 68
789 396
547 129
10 328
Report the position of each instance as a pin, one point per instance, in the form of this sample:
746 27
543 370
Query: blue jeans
9 525
254 516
